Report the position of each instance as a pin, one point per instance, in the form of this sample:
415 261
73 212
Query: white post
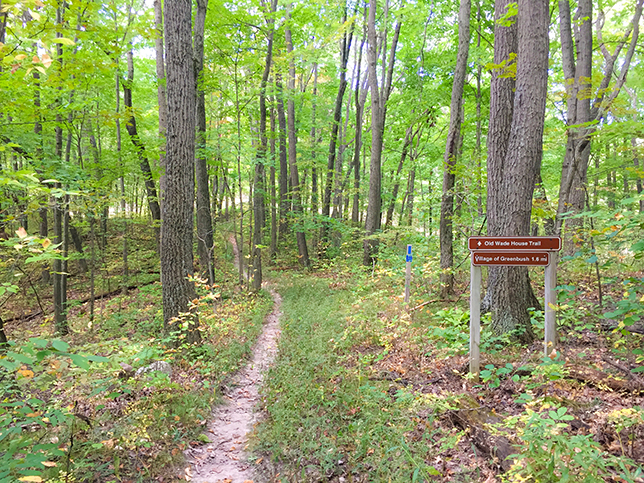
408 274
550 339
475 319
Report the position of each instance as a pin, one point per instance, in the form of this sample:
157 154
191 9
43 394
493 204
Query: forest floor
362 387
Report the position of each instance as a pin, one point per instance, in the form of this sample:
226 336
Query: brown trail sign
514 243
511 251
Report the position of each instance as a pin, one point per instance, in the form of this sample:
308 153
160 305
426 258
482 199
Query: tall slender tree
451 150
379 97
204 216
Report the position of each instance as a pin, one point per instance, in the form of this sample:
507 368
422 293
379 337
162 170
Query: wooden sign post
511 251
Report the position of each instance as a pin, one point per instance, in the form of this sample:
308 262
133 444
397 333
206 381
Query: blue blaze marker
408 258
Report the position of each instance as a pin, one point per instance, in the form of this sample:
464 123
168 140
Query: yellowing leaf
46 243
49 464
21 232
26 373
35 479
20 56
39 3
35 59
64 41
35 15
41 69
46 60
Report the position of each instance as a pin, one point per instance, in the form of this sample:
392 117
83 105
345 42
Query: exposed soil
224 459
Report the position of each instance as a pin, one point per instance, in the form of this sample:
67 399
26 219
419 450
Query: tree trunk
150 185
314 141
178 208
360 99
379 99
60 311
451 151
292 147
580 110
394 194
259 192
161 88
283 176
273 248
205 240
512 177
345 49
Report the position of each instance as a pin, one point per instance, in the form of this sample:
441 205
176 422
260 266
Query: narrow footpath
224 459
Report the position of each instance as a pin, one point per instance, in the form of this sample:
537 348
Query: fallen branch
625 370
38 313
604 381
476 422
434 302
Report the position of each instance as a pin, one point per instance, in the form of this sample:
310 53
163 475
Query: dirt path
224 459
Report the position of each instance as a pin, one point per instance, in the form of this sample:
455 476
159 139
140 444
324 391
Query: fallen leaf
35 479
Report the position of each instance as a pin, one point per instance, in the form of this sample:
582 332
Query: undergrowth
72 409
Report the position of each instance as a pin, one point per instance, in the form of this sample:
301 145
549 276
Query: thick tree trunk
515 173
205 240
451 151
178 208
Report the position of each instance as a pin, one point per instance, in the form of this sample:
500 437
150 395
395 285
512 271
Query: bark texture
178 208
512 176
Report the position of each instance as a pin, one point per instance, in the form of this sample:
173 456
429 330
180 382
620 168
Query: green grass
327 415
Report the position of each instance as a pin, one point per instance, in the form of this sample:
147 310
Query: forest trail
224 459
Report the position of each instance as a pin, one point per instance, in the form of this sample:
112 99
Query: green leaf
40 343
638 247
80 361
592 259
638 369
60 345
20 358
